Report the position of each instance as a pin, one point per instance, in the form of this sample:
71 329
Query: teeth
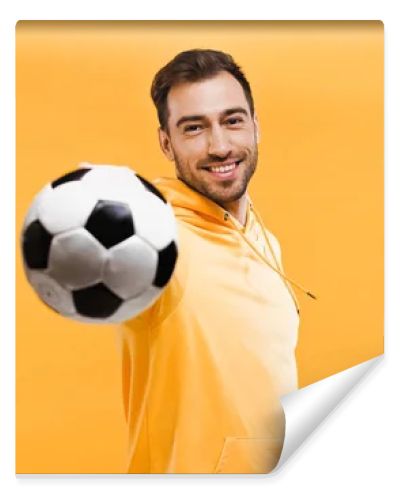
226 168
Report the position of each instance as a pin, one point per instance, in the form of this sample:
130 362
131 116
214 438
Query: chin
228 197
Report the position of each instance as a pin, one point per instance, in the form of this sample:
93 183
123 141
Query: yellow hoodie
204 367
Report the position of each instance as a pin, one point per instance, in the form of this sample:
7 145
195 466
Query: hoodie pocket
243 455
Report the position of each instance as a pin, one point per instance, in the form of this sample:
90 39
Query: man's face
210 127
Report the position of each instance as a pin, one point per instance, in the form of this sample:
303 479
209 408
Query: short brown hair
192 66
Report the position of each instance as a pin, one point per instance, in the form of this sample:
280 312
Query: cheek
248 138
249 144
242 139
193 151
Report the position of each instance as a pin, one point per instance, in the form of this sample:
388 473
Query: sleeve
132 334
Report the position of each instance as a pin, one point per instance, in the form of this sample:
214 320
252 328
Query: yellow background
83 95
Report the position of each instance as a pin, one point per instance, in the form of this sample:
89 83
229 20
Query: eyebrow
226 112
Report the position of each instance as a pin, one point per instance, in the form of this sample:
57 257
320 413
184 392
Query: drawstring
307 292
277 268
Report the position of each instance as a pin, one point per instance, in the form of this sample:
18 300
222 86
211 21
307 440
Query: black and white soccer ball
99 244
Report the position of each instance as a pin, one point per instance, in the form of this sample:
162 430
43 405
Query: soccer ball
99 244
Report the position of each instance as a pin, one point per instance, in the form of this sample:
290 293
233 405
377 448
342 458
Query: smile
226 168
224 171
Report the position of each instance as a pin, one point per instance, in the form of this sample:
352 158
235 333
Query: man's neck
238 208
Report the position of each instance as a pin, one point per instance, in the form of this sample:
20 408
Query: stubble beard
220 193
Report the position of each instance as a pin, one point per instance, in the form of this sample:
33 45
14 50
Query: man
204 367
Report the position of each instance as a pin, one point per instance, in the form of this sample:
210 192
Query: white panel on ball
76 259
87 319
32 214
113 183
153 219
130 268
65 207
51 292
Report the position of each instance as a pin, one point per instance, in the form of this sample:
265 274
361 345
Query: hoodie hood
193 206
198 210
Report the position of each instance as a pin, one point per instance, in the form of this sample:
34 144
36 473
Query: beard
219 191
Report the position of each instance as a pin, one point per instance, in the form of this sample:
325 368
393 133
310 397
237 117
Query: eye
191 128
234 121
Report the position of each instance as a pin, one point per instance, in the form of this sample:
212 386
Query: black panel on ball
110 222
166 264
36 243
151 188
96 301
75 175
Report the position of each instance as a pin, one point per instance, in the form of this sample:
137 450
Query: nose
218 144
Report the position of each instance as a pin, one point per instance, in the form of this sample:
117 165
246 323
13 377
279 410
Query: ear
257 128
165 144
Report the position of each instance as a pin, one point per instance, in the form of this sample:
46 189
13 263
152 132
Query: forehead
207 97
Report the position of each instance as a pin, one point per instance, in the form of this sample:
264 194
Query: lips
223 167
227 171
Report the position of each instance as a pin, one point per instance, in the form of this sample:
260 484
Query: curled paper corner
305 409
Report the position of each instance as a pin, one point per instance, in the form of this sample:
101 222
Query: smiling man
205 366
215 150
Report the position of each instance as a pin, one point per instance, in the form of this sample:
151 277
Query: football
99 244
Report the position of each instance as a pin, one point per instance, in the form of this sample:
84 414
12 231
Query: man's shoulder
276 247
272 235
